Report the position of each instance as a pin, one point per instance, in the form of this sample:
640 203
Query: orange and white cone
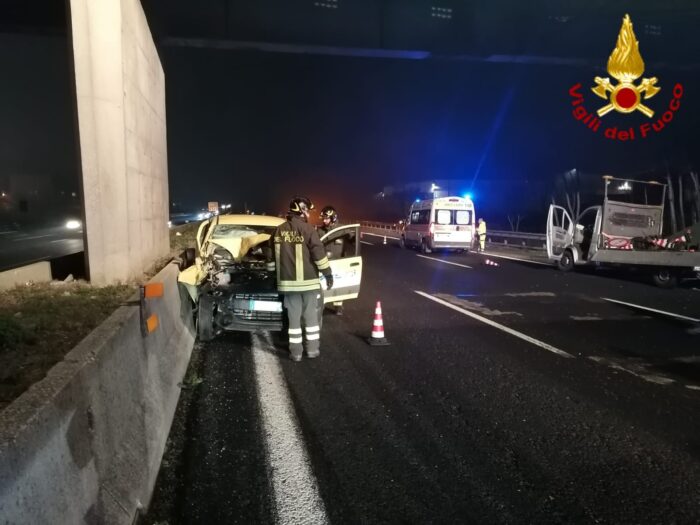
377 338
384 240
489 262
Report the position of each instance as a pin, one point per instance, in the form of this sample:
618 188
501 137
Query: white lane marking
585 318
489 322
365 242
640 372
532 294
8 232
490 254
31 238
443 261
297 498
670 314
377 235
693 387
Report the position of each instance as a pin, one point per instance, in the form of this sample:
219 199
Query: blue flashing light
417 200
468 196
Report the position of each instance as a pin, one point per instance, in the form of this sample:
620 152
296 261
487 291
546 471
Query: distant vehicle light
73 224
170 224
625 186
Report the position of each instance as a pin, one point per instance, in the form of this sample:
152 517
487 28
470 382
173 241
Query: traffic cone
489 262
377 338
385 239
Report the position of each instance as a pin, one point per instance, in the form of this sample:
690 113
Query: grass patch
182 237
40 323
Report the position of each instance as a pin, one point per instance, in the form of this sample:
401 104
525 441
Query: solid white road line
489 254
489 322
31 238
640 371
443 261
297 498
365 242
377 235
670 314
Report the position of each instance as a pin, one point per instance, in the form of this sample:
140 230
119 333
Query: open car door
343 249
560 231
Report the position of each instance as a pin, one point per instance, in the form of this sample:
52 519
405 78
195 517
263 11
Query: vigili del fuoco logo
626 96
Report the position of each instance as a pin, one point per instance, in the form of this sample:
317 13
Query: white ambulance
441 223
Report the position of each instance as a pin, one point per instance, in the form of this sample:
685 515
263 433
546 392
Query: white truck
626 231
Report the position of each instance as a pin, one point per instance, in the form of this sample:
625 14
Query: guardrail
532 241
537 241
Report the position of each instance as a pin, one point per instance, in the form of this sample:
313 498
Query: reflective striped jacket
299 256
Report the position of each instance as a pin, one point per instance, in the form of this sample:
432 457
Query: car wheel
664 278
188 258
566 263
205 318
424 249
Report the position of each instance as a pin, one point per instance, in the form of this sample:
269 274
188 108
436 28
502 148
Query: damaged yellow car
233 287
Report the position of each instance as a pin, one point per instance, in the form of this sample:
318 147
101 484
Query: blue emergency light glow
417 200
468 196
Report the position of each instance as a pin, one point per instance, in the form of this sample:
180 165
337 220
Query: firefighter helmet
300 206
329 213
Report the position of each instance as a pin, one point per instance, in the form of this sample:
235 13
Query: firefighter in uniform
335 249
299 256
481 234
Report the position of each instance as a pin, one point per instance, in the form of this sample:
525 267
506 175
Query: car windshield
238 231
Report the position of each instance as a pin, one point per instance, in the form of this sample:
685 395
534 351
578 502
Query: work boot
312 354
295 354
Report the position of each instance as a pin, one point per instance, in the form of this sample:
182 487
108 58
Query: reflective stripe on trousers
302 308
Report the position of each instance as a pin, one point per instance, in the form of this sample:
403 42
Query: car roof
248 220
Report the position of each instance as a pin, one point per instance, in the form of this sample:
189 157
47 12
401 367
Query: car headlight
73 224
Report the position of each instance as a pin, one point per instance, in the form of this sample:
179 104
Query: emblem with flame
626 65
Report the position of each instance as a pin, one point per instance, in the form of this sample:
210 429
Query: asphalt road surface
25 246
509 394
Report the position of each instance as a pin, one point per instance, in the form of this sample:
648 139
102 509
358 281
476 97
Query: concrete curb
85 443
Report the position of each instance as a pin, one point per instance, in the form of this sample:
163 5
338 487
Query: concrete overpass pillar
120 95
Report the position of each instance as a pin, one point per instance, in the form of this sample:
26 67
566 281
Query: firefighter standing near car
299 256
336 248
481 234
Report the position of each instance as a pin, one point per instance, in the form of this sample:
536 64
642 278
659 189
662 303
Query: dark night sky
344 127
259 127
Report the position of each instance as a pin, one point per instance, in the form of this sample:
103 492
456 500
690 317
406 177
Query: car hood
239 246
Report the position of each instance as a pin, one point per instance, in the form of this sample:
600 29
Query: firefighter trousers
303 310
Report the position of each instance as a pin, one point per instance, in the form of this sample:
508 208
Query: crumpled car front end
232 281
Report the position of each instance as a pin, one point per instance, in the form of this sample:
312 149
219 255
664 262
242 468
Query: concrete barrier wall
120 100
39 272
84 445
